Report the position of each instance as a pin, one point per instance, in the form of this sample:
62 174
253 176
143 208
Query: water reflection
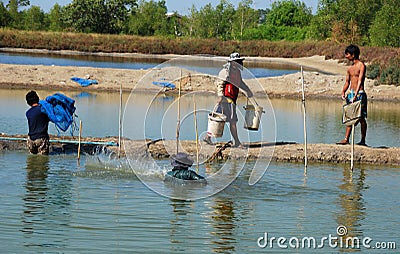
181 211
223 221
37 167
353 206
46 204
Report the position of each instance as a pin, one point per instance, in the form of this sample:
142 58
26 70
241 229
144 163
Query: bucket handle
247 104
215 109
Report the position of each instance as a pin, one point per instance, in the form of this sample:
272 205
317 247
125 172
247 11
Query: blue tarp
60 110
84 82
164 84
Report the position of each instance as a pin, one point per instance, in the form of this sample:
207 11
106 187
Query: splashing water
142 165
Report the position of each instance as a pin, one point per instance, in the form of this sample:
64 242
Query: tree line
364 22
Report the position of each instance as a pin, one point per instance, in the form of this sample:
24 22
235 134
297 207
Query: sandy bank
317 83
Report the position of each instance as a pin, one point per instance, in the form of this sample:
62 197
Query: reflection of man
38 123
37 167
228 91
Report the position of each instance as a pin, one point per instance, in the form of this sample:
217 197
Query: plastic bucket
253 117
216 123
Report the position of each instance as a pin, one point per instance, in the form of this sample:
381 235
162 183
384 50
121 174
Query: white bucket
253 117
216 123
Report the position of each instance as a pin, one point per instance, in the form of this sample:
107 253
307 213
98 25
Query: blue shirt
38 123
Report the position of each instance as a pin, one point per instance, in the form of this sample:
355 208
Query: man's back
38 123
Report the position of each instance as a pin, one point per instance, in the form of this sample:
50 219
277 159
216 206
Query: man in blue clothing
38 123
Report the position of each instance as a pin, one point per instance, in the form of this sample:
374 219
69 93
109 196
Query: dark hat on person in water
181 159
235 57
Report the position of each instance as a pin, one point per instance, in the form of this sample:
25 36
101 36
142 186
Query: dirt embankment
317 83
275 151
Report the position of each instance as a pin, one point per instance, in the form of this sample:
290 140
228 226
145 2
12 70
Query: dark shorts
364 101
38 146
229 110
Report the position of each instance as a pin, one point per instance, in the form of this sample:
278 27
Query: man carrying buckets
230 81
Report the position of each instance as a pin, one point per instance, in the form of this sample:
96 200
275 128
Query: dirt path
280 151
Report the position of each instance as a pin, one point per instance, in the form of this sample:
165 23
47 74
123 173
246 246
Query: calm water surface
52 205
282 121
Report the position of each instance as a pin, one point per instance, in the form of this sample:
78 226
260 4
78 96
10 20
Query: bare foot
343 142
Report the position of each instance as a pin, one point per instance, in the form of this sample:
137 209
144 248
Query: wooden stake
352 148
197 137
120 121
79 140
178 124
304 122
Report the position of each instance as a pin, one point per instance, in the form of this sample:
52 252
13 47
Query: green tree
287 20
55 18
5 17
33 19
289 13
245 18
98 16
212 22
149 19
16 17
344 21
385 28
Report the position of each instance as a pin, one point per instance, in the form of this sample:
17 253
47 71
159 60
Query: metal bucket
216 124
253 117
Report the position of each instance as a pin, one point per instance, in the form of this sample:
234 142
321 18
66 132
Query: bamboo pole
120 121
79 140
352 148
197 137
178 124
304 121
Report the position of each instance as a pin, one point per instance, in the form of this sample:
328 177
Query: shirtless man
355 83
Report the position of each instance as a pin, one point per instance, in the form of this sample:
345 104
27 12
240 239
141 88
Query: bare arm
346 85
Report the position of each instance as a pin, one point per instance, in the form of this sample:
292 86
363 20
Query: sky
181 6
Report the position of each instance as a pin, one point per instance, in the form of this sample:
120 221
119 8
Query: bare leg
345 141
233 129
363 123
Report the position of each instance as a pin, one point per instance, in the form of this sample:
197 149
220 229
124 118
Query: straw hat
181 158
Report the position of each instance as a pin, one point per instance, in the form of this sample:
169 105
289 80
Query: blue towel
84 82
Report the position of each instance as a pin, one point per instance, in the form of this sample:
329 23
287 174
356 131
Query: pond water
50 204
283 120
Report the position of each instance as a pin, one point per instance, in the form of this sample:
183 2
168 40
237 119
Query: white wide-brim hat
235 57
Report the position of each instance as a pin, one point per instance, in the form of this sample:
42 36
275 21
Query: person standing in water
355 78
38 123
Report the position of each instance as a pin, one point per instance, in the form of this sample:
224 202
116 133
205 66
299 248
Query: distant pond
257 69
